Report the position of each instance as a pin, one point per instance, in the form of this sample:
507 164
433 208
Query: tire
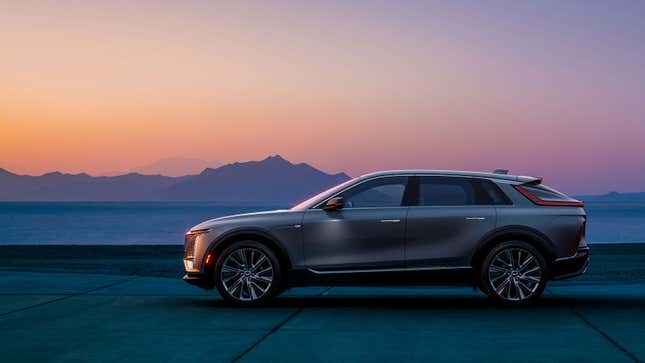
519 284
244 278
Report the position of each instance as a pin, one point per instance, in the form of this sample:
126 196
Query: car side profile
507 235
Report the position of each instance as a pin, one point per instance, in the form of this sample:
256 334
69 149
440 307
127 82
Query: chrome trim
403 269
475 218
419 174
577 255
390 220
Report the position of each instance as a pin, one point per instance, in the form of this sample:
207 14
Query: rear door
452 214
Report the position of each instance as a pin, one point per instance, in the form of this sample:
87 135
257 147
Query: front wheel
247 273
514 272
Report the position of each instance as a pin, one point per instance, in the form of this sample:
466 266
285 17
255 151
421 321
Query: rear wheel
248 273
514 272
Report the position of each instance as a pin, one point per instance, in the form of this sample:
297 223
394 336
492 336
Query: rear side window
455 191
546 193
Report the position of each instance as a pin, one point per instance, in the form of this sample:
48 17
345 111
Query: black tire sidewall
483 273
276 284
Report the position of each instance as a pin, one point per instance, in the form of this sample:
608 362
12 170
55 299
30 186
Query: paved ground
69 317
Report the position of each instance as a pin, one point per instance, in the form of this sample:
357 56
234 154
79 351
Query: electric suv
507 235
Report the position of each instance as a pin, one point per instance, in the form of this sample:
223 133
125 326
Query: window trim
317 206
417 200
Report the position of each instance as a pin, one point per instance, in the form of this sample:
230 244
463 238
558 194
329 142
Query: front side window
455 191
381 192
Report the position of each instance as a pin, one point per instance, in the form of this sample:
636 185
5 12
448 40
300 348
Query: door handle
390 220
475 218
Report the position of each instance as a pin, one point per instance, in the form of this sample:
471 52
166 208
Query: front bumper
564 268
200 280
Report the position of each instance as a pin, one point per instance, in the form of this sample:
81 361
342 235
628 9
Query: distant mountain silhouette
272 180
177 166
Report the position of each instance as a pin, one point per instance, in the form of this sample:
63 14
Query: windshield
321 196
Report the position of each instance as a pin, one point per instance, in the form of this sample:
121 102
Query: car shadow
437 302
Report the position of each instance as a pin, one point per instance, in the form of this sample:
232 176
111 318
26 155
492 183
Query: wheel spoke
237 284
526 263
501 287
509 257
518 289
245 262
530 278
496 269
262 278
231 269
264 270
258 263
258 287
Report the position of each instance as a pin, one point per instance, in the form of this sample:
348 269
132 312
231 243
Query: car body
399 227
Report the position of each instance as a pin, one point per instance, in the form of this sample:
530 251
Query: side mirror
334 204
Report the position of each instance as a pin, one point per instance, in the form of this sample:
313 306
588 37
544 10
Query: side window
454 191
381 192
545 193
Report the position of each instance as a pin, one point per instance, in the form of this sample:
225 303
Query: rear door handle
475 218
390 220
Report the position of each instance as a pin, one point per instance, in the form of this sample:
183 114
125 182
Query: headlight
190 241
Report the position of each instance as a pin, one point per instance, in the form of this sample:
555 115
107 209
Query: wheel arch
256 235
529 235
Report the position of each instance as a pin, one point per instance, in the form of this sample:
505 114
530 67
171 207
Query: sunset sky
549 88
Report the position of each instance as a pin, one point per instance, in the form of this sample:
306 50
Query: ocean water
126 223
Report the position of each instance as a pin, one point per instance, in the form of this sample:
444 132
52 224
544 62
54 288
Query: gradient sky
555 88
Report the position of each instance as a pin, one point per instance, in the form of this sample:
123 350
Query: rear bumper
200 280
564 268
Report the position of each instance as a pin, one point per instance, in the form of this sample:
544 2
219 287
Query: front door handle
475 218
390 220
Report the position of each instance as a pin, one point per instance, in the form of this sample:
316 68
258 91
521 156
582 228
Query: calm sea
165 223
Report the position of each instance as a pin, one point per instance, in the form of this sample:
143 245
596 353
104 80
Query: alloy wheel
247 274
515 274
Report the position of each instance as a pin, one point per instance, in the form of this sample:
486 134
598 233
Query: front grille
189 246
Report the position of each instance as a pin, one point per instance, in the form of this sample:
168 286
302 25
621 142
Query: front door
368 232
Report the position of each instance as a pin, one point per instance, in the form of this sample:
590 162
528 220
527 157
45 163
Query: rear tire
513 273
248 273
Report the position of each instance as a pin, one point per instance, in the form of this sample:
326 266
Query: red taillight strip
539 201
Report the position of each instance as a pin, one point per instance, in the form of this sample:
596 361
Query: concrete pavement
71 317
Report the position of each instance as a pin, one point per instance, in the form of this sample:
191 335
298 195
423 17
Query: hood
235 217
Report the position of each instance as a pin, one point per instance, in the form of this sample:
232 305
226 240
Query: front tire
248 273
514 273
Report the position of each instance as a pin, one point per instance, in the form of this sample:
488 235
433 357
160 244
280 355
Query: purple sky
549 88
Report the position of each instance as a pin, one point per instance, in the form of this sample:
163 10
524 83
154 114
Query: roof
516 178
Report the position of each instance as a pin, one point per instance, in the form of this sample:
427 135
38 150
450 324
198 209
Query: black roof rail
501 171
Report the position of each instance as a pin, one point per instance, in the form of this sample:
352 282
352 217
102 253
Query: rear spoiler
534 181
529 180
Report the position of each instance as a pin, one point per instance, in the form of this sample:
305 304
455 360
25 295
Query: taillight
533 198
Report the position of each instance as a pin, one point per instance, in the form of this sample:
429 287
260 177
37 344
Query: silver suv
507 235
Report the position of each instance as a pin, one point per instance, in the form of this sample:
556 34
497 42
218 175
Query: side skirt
383 277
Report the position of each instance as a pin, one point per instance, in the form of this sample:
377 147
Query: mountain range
174 166
272 180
